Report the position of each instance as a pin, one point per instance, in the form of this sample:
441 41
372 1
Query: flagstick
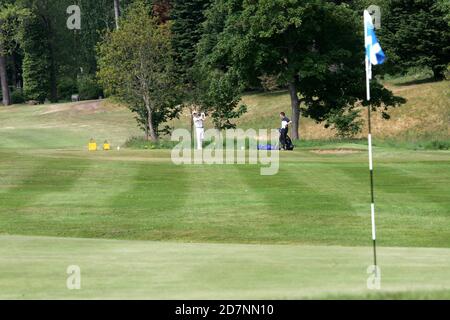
372 204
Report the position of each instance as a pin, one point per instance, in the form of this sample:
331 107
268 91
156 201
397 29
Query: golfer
285 122
199 128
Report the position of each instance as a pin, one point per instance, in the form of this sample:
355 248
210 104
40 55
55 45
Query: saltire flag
374 56
374 53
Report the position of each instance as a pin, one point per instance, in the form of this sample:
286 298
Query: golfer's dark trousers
283 135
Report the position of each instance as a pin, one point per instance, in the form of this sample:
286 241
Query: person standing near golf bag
199 128
285 122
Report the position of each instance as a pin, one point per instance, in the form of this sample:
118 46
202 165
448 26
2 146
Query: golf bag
288 145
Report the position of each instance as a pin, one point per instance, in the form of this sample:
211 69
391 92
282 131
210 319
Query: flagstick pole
372 204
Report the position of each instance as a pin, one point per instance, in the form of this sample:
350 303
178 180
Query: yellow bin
106 146
92 145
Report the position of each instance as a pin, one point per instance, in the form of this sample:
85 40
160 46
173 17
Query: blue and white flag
374 53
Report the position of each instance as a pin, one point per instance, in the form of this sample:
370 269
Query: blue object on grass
266 147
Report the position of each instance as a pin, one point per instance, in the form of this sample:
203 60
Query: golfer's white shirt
198 123
285 123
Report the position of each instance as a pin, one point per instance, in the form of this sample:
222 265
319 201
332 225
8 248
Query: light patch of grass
66 125
35 268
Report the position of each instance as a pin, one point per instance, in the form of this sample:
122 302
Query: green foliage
66 87
141 143
347 123
222 97
416 33
136 66
315 47
17 97
88 87
36 61
220 84
186 29
96 17
11 20
187 16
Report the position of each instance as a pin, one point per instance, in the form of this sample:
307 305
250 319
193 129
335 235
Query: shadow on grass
416 81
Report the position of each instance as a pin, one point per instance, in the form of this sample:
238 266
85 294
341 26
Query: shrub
142 143
346 123
17 96
66 87
88 87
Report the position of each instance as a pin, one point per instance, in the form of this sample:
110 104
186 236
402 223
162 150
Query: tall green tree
37 61
313 47
218 84
416 33
52 38
136 66
187 17
11 19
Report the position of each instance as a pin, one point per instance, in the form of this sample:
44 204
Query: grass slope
425 116
35 268
66 125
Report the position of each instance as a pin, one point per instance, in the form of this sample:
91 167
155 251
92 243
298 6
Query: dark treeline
218 49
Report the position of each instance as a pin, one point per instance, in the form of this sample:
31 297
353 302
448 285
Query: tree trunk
53 79
52 71
295 104
438 73
4 78
151 128
117 12
191 122
14 71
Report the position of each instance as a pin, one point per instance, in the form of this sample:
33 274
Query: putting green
35 268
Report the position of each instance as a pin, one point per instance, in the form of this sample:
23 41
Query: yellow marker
92 145
106 146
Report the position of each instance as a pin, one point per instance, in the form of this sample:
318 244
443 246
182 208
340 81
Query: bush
346 123
66 87
17 96
142 143
438 145
88 88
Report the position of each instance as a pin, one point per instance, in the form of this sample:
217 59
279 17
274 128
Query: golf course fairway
140 227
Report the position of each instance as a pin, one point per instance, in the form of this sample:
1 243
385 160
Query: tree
53 40
11 18
187 17
37 62
161 10
222 97
314 48
218 85
117 12
136 66
96 16
416 33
